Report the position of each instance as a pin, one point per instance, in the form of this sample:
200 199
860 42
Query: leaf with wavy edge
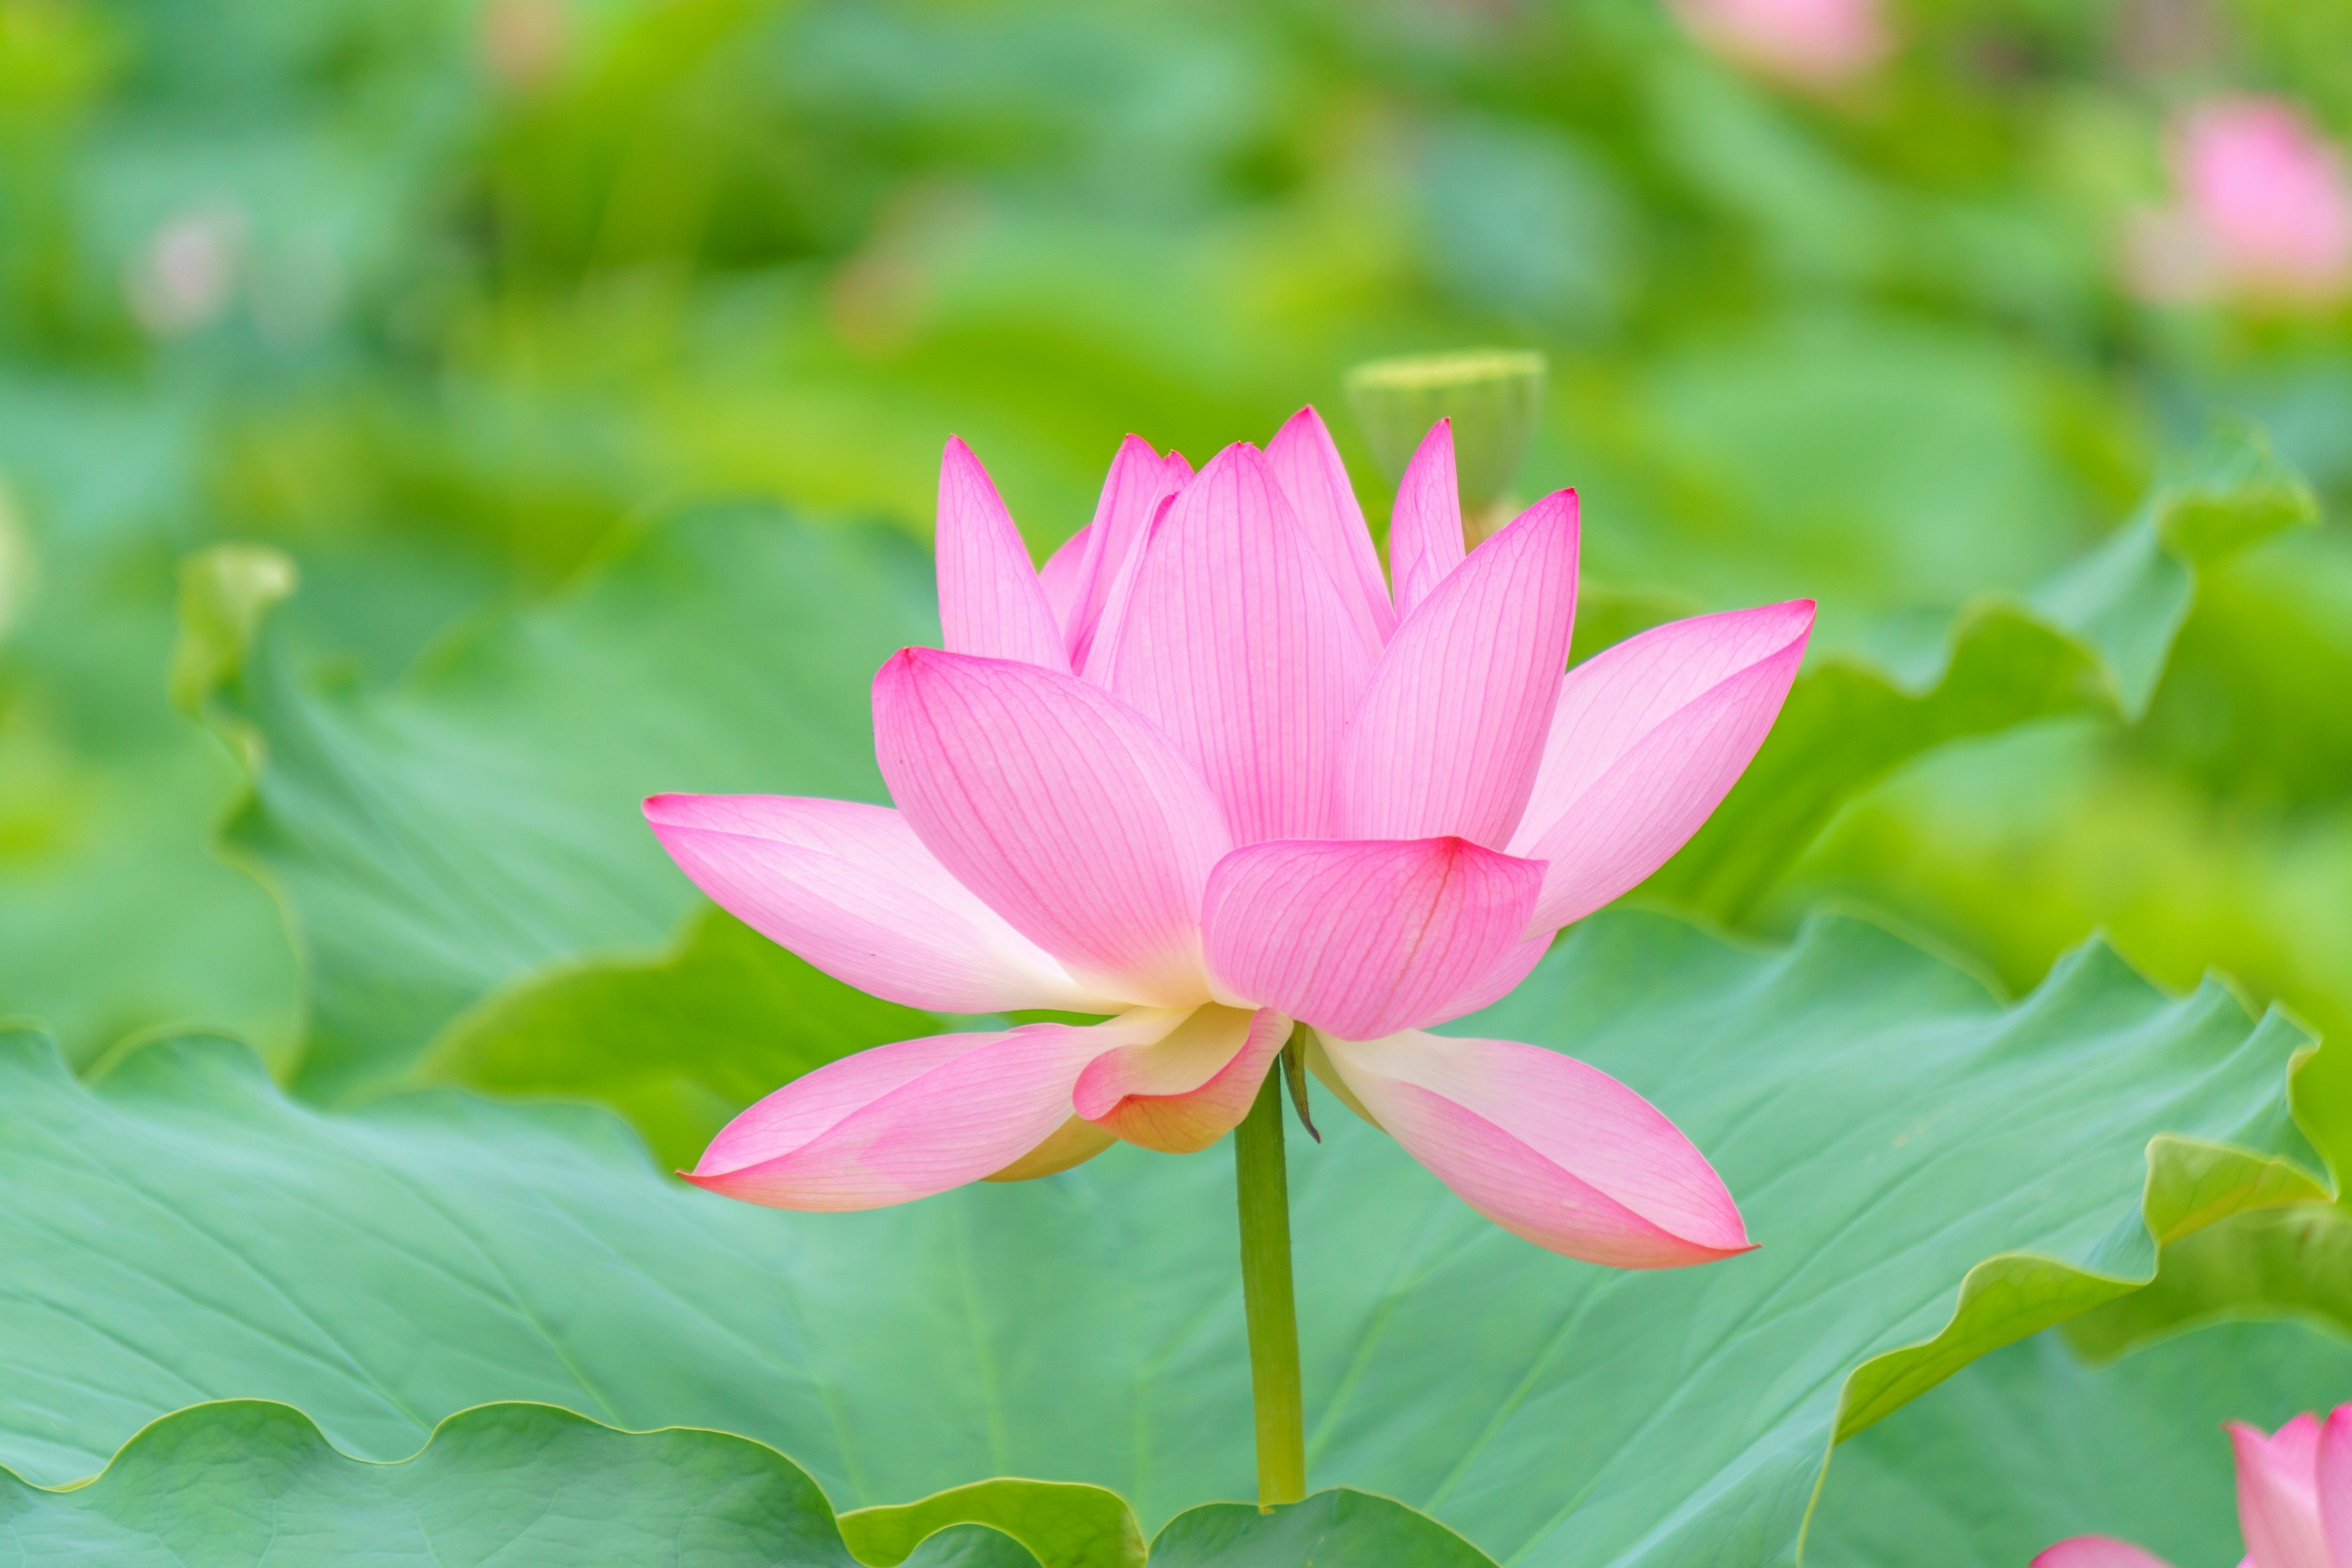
2290 1262
2032 1445
479 822
182 1231
249 1482
2094 639
244 1483
1063 1523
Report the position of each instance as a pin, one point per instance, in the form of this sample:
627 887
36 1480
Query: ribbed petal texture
991 603
851 889
1451 731
1235 644
1361 938
1547 1147
1062 807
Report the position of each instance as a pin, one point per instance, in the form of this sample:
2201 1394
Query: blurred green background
441 297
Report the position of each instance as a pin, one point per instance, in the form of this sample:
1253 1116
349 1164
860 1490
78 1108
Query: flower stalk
1267 1301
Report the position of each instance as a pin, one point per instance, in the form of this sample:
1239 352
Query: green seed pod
1493 396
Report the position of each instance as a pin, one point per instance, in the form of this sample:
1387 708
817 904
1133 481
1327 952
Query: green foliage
678 1044
2091 640
479 823
381 1269
1065 1525
244 1483
2031 1445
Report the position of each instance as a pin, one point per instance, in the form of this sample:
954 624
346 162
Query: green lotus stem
1266 1299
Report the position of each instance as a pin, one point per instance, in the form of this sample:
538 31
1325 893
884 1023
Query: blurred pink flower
2295 1501
1814 43
186 274
2263 210
1206 775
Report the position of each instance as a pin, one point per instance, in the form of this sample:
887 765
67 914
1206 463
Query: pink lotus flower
2295 1501
2265 210
1208 776
1811 43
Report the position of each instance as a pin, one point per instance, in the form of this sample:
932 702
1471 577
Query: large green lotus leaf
2032 1445
1929 1175
678 1044
249 1484
2289 1262
2091 640
480 822
116 917
245 1482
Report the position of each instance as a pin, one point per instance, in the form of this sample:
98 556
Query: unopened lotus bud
1493 396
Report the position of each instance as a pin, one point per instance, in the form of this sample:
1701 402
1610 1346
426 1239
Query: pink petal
1316 481
1066 575
1647 738
990 600
1062 807
2096 1552
1183 1091
2278 1494
2332 1478
1362 938
1426 528
1180 472
849 887
901 1121
1547 1147
1234 642
1131 493
1120 595
1073 1143
1449 734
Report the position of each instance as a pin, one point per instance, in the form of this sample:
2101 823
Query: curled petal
1547 1147
1183 1091
1311 474
1139 482
1361 938
1426 528
2278 1494
901 1121
1234 644
2332 1475
1648 738
1062 808
2096 1552
1449 733
991 603
849 887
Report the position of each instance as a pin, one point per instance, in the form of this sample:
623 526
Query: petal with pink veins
1236 646
2096 1552
991 603
1425 527
1311 474
901 1121
1065 576
1183 1091
2332 1476
1548 1147
1647 738
1361 938
1137 482
1062 808
2278 1494
850 888
1451 728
